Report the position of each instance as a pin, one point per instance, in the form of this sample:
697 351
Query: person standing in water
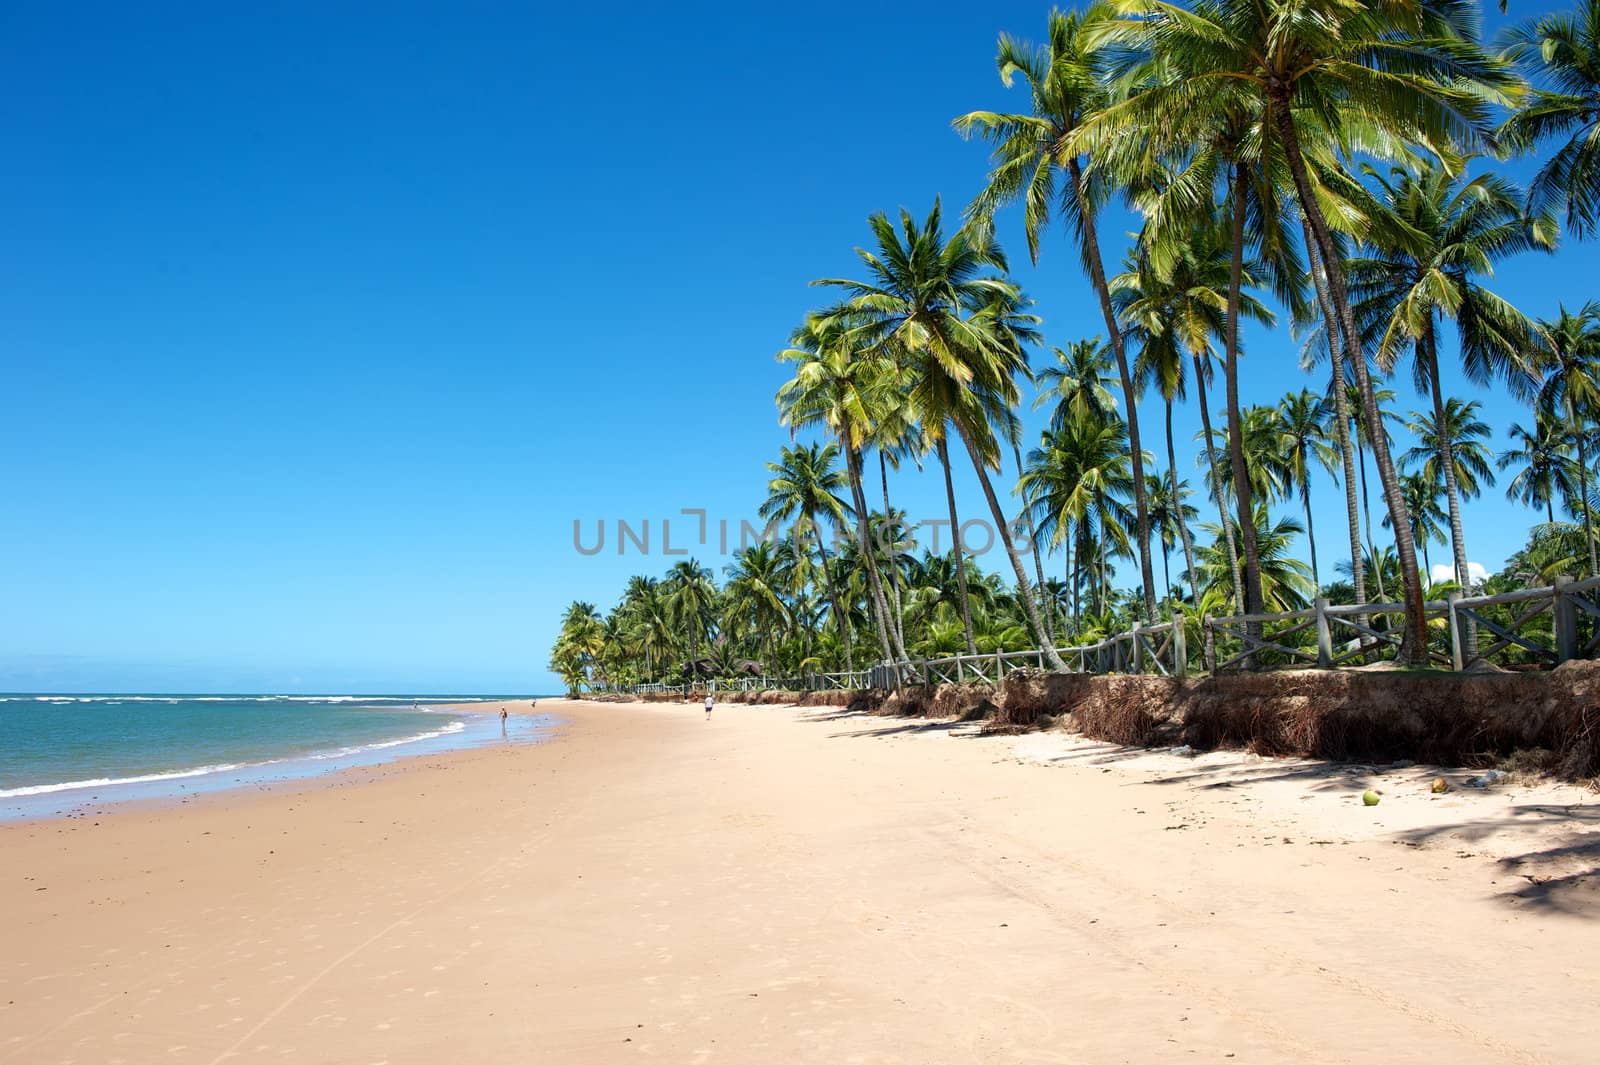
708 706
502 721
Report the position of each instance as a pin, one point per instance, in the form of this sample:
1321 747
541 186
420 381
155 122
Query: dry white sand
810 886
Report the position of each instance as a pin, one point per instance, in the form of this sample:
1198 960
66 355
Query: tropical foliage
1315 168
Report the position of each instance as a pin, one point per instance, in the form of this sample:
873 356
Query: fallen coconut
1369 798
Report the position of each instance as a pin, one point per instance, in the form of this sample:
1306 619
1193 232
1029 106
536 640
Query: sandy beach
783 885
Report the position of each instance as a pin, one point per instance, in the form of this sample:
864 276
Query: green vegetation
1319 167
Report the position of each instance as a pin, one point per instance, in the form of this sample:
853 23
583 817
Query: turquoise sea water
62 752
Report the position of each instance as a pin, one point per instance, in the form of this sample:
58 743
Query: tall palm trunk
886 634
1046 644
1244 505
1217 493
1580 431
1074 565
1038 563
838 612
1097 275
1183 523
960 555
1416 627
1427 350
894 552
1341 412
1311 532
1372 545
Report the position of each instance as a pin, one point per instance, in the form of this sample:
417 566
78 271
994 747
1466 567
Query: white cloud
1443 571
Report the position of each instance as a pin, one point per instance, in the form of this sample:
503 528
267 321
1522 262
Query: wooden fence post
1208 649
1458 658
999 668
1180 646
1324 634
1566 618
1138 652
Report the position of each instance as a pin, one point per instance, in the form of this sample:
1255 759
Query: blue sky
322 324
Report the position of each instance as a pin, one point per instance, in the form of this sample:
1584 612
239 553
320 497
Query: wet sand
780 885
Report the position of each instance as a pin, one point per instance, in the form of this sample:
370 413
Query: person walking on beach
502 720
709 701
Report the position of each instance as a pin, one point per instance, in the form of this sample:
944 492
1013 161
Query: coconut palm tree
1560 54
1074 485
839 385
690 595
1547 469
1172 299
1571 390
1429 522
1032 162
1436 235
1303 419
1076 386
945 310
1470 469
1266 462
756 604
1285 580
1387 74
805 485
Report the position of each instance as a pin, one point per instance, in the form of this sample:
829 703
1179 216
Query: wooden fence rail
1323 636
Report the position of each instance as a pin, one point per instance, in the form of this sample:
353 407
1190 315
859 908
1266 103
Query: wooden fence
1534 628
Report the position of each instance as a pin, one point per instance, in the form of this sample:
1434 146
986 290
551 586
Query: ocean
61 752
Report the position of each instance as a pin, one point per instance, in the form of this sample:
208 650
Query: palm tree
1571 390
1266 462
1469 467
1032 162
1560 54
958 330
1428 519
690 595
838 386
1173 301
1076 386
1435 234
1386 74
805 485
756 603
1074 483
1285 580
1303 418
1547 469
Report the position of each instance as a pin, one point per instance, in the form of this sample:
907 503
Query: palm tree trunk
1372 546
1217 493
1097 275
960 555
1074 556
863 539
894 552
1183 523
838 611
1367 514
1341 413
1447 458
1311 533
1583 491
1026 594
1038 563
1416 627
1244 505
